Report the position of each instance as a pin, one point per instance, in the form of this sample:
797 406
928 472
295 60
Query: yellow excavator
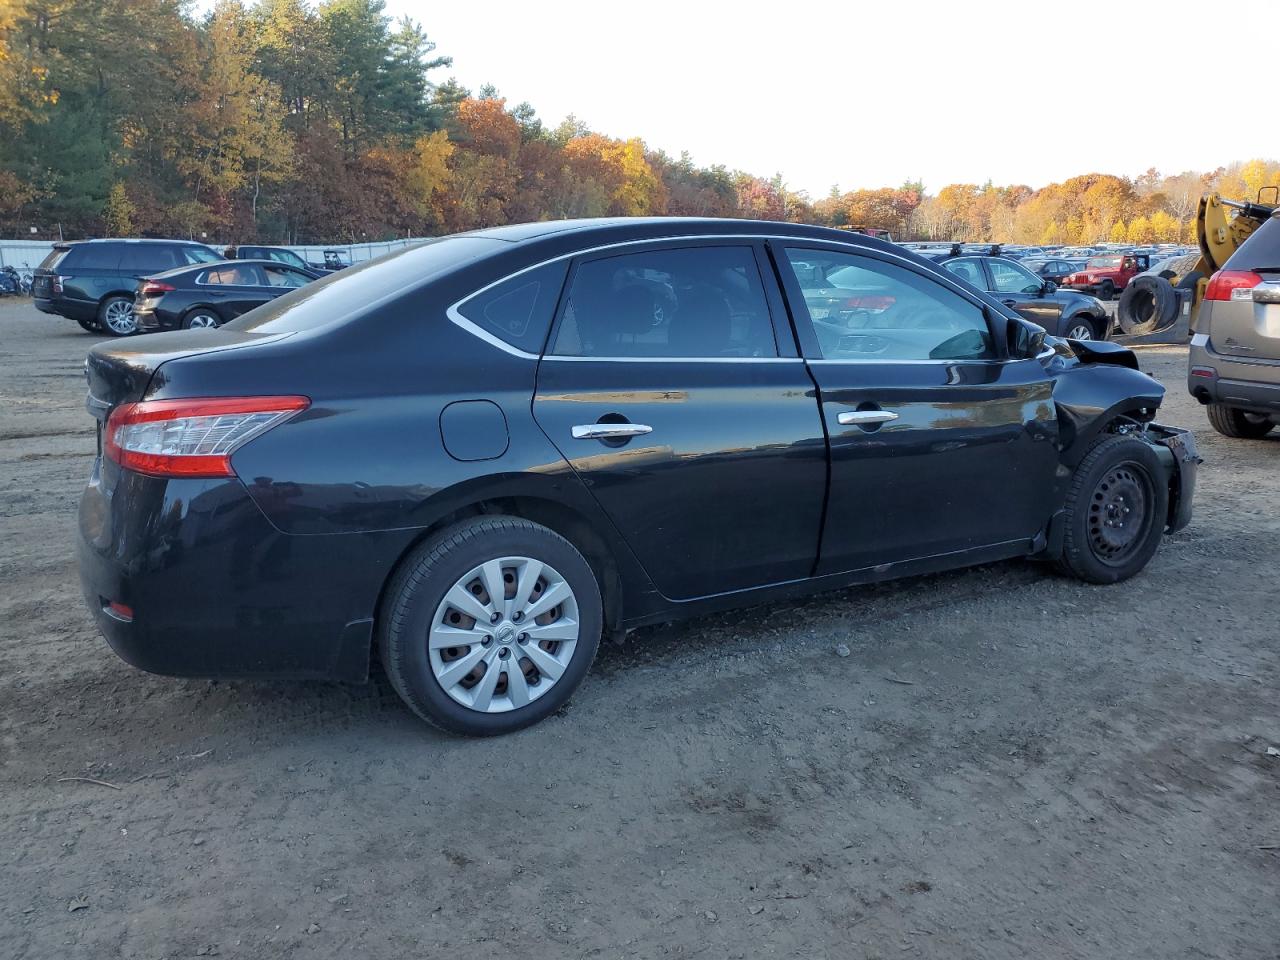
1162 308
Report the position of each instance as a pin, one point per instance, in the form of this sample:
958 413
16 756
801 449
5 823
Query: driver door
1016 286
938 444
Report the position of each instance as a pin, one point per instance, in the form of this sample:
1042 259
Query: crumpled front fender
1091 392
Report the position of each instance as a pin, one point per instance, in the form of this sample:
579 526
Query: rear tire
1237 424
1115 513
90 325
201 319
423 632
115 316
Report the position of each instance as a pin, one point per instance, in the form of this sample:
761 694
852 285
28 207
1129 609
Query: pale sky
868 95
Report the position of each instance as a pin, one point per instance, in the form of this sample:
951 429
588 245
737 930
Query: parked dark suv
93 281
477 455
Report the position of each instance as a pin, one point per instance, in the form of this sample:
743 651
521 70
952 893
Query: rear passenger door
233 288
939 445
673 387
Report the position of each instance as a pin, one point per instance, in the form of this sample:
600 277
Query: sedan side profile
477 455
209 295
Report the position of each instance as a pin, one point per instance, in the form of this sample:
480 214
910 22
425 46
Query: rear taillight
55 285
873 303
153 288
191 438
1232 285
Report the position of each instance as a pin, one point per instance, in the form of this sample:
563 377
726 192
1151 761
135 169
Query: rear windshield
349 293
1261 251
53 259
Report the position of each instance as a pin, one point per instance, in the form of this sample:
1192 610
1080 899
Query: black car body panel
749 487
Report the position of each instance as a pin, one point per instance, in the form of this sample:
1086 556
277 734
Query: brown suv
1234 366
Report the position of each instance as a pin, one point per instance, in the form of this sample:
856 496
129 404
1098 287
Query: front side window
193 255
690 302
866 309
519 310
1009 277
231 274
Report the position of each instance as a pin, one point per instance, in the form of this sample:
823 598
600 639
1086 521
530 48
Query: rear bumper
215 590
1252 385
71 309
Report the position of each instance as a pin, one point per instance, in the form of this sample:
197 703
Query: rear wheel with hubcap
1115 513
201 320
115 316
490 626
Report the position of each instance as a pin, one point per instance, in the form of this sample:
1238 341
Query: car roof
68 244
641 228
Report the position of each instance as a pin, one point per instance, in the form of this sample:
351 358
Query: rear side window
519 310
692 302
233 274
93 256
53 259
148 258
1260 253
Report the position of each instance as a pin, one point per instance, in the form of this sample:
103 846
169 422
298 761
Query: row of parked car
122 287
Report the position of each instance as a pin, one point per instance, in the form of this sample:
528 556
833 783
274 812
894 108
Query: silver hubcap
504 634
202 320
119 315
1079 332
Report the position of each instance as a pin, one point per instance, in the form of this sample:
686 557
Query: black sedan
210 294
478 455
1064 313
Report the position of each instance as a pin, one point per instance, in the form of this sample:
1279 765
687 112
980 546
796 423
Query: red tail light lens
1232 285
191 438
153 288
873 303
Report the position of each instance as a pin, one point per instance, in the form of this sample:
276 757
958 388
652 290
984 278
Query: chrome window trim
559 358
456 317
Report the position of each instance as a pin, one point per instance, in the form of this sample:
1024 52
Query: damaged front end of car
1100 390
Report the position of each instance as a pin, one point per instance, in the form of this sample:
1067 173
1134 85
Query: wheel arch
605 556
1090 398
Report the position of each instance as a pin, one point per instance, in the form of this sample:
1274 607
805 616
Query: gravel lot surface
1006 765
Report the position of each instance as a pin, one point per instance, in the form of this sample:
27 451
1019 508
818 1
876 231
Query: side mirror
1026 339
1050 288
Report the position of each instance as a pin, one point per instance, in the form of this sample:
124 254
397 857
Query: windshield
200 255
1105 263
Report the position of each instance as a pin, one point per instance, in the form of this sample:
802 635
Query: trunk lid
120 371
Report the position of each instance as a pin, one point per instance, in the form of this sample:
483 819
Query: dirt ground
1008 764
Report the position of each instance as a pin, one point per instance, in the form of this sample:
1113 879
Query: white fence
20 253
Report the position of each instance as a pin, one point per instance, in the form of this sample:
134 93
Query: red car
1106 275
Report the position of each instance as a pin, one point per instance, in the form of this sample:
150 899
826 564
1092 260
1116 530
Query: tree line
287 121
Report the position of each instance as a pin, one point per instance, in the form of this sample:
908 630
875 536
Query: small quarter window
519 310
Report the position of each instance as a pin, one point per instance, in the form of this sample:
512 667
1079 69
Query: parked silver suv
1234 367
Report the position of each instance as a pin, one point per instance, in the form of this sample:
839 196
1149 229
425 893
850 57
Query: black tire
90 325
1106 290
418 588
1119 482
107 308
194 319
1237 424
1146 305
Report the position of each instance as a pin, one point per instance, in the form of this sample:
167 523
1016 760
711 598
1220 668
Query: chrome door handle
609 431
864 418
